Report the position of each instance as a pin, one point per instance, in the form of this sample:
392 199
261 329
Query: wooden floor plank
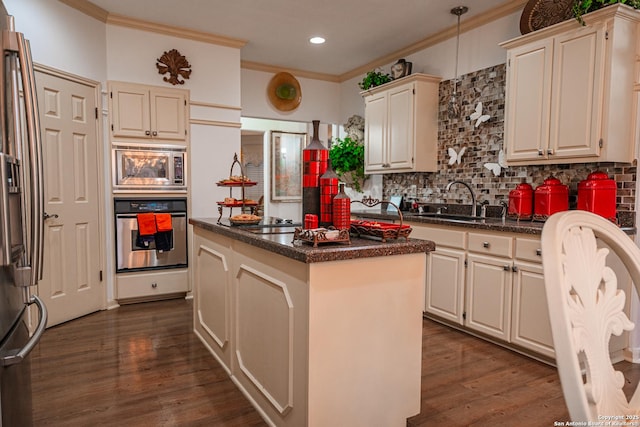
142 365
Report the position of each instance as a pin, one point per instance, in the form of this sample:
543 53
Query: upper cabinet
401 125
148 112
570 91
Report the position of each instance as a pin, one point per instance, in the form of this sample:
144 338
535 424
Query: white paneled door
72 285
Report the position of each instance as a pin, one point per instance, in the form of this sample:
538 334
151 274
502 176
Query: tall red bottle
314 158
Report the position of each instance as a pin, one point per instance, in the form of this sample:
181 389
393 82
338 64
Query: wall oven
148 168
135 254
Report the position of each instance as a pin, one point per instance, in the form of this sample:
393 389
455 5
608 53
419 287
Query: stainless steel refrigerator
21 223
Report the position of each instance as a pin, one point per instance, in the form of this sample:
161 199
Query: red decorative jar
328 190
597 194
521 202
550 197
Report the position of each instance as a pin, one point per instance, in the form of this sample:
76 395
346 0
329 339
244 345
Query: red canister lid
597 180
523 189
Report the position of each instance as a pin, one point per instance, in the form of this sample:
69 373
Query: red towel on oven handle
163 222
146 224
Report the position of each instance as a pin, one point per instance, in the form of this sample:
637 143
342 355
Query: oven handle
134 216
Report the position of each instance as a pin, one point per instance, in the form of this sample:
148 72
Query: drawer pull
154 285
485 245
514 268
539 252
506 268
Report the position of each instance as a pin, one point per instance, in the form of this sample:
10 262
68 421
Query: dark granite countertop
282 244
490 223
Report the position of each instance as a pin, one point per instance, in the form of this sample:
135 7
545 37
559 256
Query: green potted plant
347 160
582 7
374 78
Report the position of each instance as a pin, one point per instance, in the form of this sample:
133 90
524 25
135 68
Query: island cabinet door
212 295
488 304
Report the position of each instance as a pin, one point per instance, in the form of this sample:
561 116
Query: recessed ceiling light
316 40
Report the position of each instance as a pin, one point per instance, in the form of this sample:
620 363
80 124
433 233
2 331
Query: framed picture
286 166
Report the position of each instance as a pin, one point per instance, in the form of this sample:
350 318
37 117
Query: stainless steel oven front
148 168
133 254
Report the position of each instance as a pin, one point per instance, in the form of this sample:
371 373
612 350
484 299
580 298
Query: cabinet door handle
148 132
506 268
549 152
154 133
485 245
514 268
539 252
540 152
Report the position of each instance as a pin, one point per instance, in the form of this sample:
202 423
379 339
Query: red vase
314 158
341 210
328 189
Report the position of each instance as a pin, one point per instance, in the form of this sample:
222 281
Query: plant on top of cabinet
374 78
582 7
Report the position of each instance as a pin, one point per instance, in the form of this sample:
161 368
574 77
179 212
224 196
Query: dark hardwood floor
141 365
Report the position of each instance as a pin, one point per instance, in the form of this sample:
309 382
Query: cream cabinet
401 125
148 112
492 284
530 325
444 293
569 91
489 284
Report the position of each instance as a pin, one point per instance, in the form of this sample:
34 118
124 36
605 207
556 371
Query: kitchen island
322 336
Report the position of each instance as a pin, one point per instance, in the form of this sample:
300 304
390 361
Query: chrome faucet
473 195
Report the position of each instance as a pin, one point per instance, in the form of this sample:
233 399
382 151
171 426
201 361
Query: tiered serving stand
242 203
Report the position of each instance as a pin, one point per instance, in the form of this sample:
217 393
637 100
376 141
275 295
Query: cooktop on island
268 225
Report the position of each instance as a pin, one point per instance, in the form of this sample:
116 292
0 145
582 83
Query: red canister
550 197
597 194
341 210
521 202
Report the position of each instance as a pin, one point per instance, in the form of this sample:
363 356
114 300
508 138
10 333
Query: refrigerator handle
18 356
34 192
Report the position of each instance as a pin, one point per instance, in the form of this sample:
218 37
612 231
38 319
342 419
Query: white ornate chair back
586 308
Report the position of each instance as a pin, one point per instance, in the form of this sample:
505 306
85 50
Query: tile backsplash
482 145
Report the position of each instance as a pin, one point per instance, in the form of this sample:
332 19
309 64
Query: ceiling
359 33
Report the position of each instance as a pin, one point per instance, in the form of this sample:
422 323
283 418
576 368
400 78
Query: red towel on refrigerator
147 224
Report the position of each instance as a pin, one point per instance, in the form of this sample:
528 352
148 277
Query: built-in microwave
149 168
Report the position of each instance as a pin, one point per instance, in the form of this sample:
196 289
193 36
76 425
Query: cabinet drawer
528 249
441 236
491 244
136 285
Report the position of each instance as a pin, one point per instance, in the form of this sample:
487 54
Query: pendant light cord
458 11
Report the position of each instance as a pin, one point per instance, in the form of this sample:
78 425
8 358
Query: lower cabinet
488 302
159 284
492 283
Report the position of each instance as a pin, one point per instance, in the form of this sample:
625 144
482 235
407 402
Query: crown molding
169 30
102 15
87 8
501 11
258 66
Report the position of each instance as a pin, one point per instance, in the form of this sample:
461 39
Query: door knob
47 216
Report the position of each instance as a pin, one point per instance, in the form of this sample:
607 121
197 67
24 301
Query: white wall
479 48
319 99
215 79
62 37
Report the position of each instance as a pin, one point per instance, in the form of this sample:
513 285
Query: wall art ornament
455 156
478 116
176 65
496 168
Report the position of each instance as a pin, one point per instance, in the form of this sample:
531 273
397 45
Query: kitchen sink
453 217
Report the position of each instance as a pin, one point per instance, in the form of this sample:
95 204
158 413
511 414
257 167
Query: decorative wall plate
284 92
538 14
